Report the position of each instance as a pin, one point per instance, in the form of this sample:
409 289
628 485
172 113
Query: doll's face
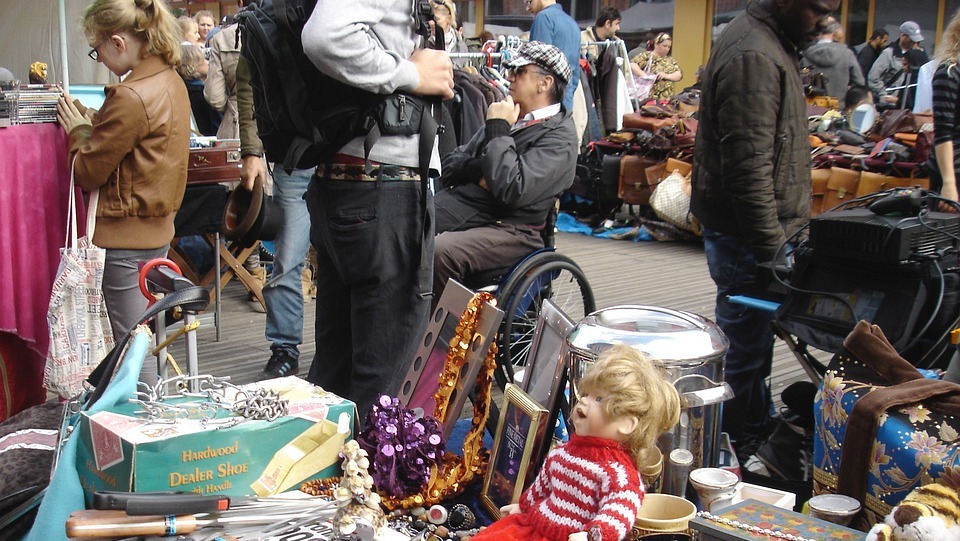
589 419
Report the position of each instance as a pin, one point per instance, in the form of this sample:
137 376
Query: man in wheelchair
499 187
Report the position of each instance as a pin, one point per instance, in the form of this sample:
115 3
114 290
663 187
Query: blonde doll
589 488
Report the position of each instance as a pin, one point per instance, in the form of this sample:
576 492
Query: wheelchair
520 291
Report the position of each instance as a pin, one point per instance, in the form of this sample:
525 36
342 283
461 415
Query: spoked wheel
550 276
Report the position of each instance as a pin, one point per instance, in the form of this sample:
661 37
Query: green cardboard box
191 451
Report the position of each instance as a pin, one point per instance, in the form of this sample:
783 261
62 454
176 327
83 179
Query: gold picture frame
520 434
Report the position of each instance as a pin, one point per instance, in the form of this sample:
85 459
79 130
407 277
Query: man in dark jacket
751 180
868 53
501 185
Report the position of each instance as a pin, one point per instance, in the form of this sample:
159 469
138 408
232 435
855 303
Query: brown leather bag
635 188
841 186
684 168
897 120
819 178
875 182
639 121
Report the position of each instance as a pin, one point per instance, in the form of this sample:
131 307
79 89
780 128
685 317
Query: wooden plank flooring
670 275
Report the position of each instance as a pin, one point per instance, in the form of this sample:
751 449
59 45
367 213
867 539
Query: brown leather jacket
136 154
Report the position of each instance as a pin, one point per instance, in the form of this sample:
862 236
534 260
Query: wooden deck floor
670 275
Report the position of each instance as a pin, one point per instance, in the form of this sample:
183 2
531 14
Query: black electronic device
861 234
903 201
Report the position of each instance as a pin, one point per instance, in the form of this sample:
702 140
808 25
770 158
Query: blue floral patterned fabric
914 445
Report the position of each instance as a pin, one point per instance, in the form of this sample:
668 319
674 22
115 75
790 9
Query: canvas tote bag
80 333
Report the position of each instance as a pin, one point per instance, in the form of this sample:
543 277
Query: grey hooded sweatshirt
838 63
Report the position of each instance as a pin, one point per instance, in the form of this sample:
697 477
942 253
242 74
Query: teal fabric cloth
65 495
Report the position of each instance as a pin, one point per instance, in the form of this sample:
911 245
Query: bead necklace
752 529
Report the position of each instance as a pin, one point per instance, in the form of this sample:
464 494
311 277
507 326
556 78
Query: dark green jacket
751 174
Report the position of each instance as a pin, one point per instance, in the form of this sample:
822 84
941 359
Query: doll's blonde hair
149 20
634 385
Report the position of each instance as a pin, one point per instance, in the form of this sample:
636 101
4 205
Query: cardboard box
756 513
772 496
122 451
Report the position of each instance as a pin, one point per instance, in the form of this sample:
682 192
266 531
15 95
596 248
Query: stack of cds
36 104
5 105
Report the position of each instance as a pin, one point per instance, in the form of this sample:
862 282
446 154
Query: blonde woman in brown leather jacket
134 150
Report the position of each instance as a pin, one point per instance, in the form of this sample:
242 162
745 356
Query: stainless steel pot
690 347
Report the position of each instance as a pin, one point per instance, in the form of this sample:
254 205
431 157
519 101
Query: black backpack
303 116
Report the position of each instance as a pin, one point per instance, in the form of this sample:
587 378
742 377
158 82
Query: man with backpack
371 223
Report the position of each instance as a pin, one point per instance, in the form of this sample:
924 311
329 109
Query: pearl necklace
752 529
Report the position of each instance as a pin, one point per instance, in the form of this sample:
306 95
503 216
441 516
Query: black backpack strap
429 129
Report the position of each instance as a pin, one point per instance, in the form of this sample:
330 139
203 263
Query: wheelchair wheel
548 275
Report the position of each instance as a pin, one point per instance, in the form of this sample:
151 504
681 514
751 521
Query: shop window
723 12
857 31
890 14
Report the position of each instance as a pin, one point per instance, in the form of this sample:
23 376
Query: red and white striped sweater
586 485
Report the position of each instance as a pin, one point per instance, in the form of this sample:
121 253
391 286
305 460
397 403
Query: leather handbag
656 173
220 163
897 121
671 202
841 186
819 178
635 188
640 121
680 166
875 182
882 428
686 134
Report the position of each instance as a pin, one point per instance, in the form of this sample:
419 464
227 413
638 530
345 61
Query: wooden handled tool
96 523
93 523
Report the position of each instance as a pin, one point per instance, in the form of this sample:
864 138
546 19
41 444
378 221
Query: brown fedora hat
251 216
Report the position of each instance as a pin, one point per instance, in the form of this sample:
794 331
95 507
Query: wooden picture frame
420 385
519 437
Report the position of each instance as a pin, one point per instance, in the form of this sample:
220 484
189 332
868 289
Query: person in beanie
499 187
589 488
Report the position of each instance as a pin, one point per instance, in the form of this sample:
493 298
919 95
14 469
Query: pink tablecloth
34 189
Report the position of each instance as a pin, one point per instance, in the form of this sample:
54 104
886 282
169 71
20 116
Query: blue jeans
749 360
370 316
283 292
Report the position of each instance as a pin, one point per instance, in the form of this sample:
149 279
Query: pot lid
663 334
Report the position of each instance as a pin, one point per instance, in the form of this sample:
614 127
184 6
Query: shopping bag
639 86
80 333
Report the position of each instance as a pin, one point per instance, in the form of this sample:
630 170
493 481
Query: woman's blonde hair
634 385
147 20
948 50
190 58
